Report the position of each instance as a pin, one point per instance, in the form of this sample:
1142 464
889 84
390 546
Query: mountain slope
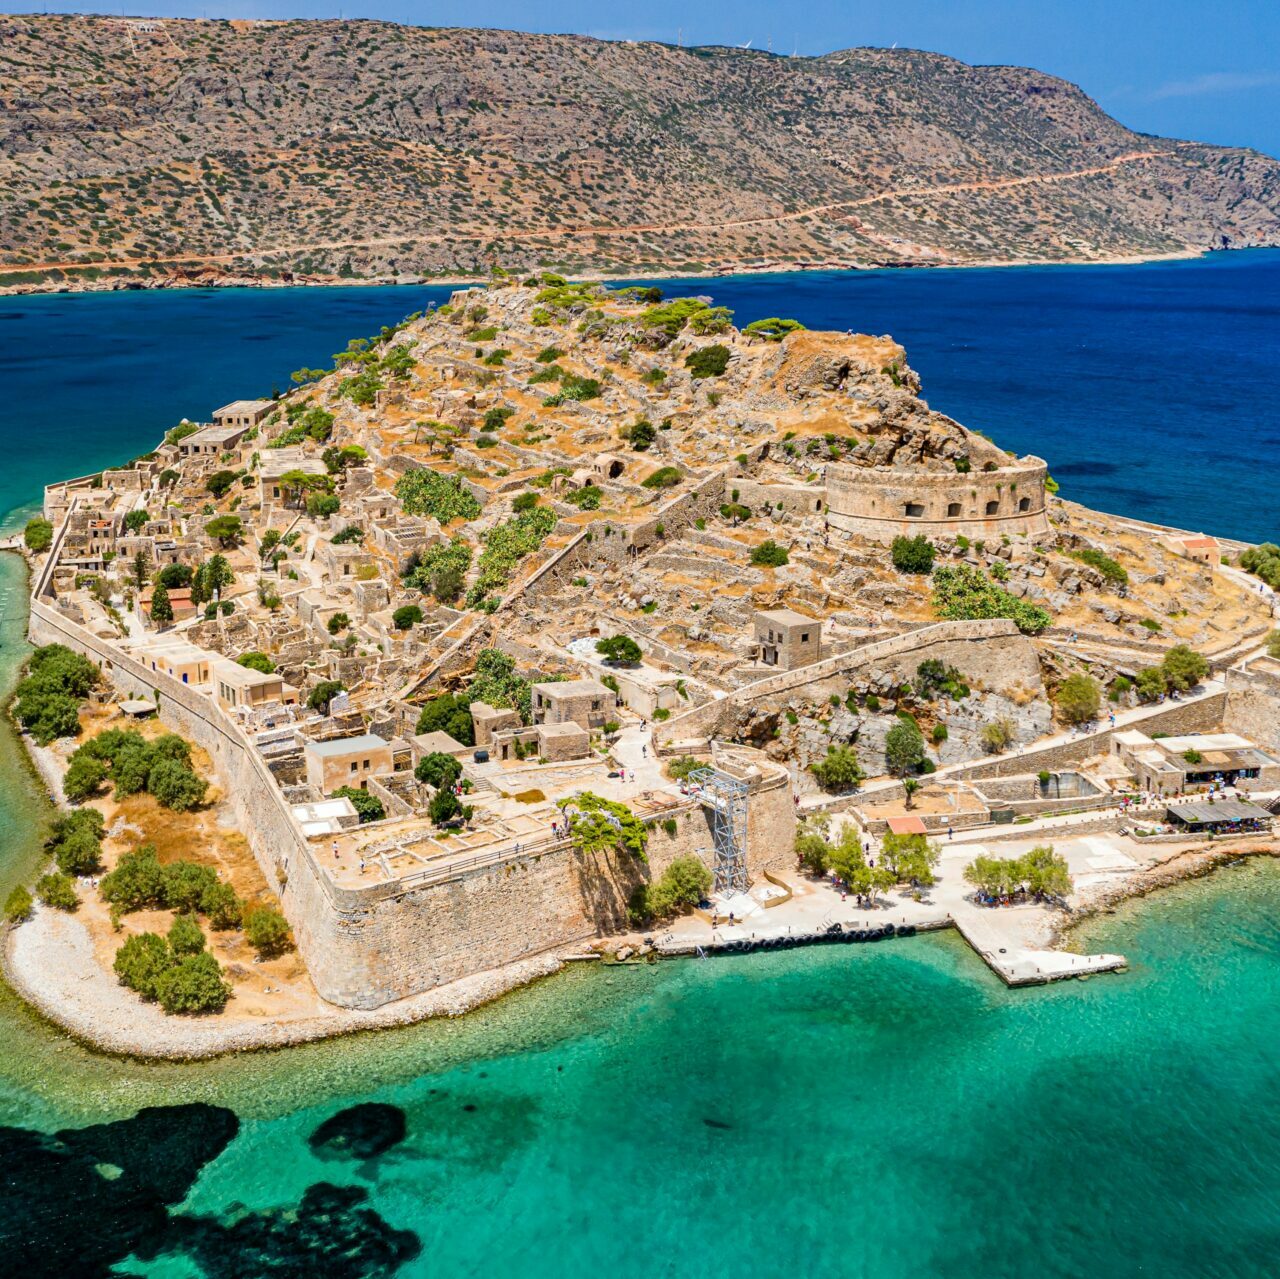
370 149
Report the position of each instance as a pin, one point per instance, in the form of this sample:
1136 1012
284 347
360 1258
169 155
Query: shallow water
864 1110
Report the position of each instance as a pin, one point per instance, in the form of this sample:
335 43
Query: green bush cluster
587 498
935 678
256 661
1263 562
1181 669
140 882
38 534
438 769
131 763
676 891
912 554
441 570
368 807
664 477
769 554
449 713
773 329
57 890
173 972
708 361
1115 573
839 771
962 592
508 543
442 497
48 699
75 841
1041 872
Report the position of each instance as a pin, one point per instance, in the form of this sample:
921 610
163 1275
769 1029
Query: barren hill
361 148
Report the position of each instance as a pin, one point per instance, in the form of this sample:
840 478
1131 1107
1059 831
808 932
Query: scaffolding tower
726 797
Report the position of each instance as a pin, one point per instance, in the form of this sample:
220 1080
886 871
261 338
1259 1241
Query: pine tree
161 609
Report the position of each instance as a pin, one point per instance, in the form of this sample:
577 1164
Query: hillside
325 148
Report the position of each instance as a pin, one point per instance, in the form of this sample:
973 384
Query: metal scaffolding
726 797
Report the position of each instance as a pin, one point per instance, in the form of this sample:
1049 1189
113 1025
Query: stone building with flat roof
586 702
243 413
787 639
347 761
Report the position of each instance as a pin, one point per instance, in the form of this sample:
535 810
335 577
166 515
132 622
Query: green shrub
220 905
38 534
57 890
1113 572
18 905
185 936
75 841
587 498
676 891
840 770
323 693
140 962
912 554
904 747
406 617
962 592
368 807
192 984
256 661
1151 684
664 478
773 329
1183 667
769 554
443 497
48 699
444 806
438 769
267 931
449 713
183 885
176 786
708 361
1079 699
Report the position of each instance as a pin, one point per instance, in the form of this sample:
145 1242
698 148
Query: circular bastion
883 502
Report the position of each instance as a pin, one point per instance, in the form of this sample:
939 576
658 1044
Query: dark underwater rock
359 1132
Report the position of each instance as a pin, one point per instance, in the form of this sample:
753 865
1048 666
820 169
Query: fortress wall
874 501
1253 707
796 499
1204 715
991 652
368 946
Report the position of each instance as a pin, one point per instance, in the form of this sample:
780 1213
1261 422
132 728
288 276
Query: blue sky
1204 69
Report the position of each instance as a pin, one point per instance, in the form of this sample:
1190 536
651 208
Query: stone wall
1203 715
992 652
883 502
367 946
1253 707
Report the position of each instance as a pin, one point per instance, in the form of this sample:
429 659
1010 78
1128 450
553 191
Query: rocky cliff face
146 150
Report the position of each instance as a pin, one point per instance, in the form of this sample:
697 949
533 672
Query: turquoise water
867 1110
870 1111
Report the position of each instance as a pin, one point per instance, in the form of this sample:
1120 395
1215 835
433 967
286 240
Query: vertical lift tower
726 797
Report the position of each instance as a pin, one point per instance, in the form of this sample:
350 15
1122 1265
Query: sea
864 1111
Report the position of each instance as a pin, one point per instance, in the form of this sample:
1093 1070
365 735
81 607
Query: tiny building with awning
1222 817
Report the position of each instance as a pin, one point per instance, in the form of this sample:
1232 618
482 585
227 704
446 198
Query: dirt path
562 233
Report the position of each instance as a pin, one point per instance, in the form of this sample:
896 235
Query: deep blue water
1152 390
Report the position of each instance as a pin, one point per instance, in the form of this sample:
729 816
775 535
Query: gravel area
50 962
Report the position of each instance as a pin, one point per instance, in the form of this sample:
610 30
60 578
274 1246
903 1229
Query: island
565 623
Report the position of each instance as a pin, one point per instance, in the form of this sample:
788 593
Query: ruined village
555 588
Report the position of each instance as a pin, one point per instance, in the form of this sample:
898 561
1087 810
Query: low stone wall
1203 715
992 650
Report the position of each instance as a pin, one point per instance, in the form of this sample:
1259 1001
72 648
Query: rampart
883 502
368 946
991 651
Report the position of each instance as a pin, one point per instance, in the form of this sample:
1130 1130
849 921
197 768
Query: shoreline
90 1006
230 280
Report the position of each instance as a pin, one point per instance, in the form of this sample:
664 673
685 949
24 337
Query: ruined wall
1204 715
990 653
883 503
1253 707
367 946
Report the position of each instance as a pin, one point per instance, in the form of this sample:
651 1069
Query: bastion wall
882 503
365 947
990 652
